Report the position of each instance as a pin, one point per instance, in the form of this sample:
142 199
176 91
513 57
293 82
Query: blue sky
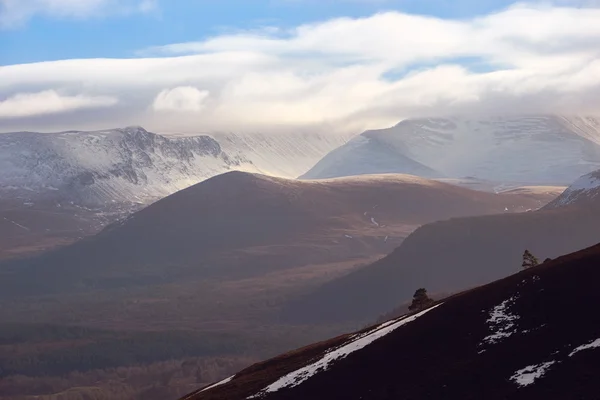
328 65
46 37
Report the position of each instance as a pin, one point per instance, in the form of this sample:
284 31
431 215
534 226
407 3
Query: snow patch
224 381
526 376
358 342
592 345
501 322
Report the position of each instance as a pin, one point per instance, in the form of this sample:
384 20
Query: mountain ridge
134 165
583 191
535 149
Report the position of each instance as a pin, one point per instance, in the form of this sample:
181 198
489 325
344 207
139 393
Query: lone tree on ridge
420 300
529 260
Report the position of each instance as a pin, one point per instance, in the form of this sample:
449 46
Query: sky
192 66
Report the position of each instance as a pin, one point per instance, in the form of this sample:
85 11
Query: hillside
68 185
530 335
540 149
451 255
30 228
242 224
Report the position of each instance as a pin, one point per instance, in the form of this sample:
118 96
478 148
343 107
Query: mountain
242 223
451 255
285 155
101 177
132 165
542 149
531 335
367 154
583 191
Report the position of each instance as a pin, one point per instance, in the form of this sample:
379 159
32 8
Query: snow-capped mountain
366 154
285 155
134 165
541 149
532 335
584 190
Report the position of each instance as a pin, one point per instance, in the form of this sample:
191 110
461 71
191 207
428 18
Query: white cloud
17 12
182 98
49 102
358 73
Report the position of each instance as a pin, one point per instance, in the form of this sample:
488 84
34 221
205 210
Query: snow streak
592 345
358 342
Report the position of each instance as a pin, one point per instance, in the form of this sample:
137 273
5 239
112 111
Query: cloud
182 98
15 13
49 102
347 73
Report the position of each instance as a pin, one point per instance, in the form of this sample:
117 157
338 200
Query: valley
235 267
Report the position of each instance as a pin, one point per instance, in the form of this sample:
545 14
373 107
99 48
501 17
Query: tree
420 300
529 260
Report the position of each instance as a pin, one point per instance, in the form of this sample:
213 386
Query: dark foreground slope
246 224
533 335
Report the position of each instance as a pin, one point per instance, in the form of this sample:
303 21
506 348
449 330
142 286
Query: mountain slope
286 155
121 165
530 335
581 193
28 228
527 149
242 223
366 154
101 177
134 165
447 256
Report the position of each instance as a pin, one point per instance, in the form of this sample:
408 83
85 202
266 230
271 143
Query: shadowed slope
532 335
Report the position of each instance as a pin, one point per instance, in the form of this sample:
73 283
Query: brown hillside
241 223
27 228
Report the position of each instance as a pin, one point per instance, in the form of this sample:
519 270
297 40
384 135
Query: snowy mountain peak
583 190
534 149
132 164
125 165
